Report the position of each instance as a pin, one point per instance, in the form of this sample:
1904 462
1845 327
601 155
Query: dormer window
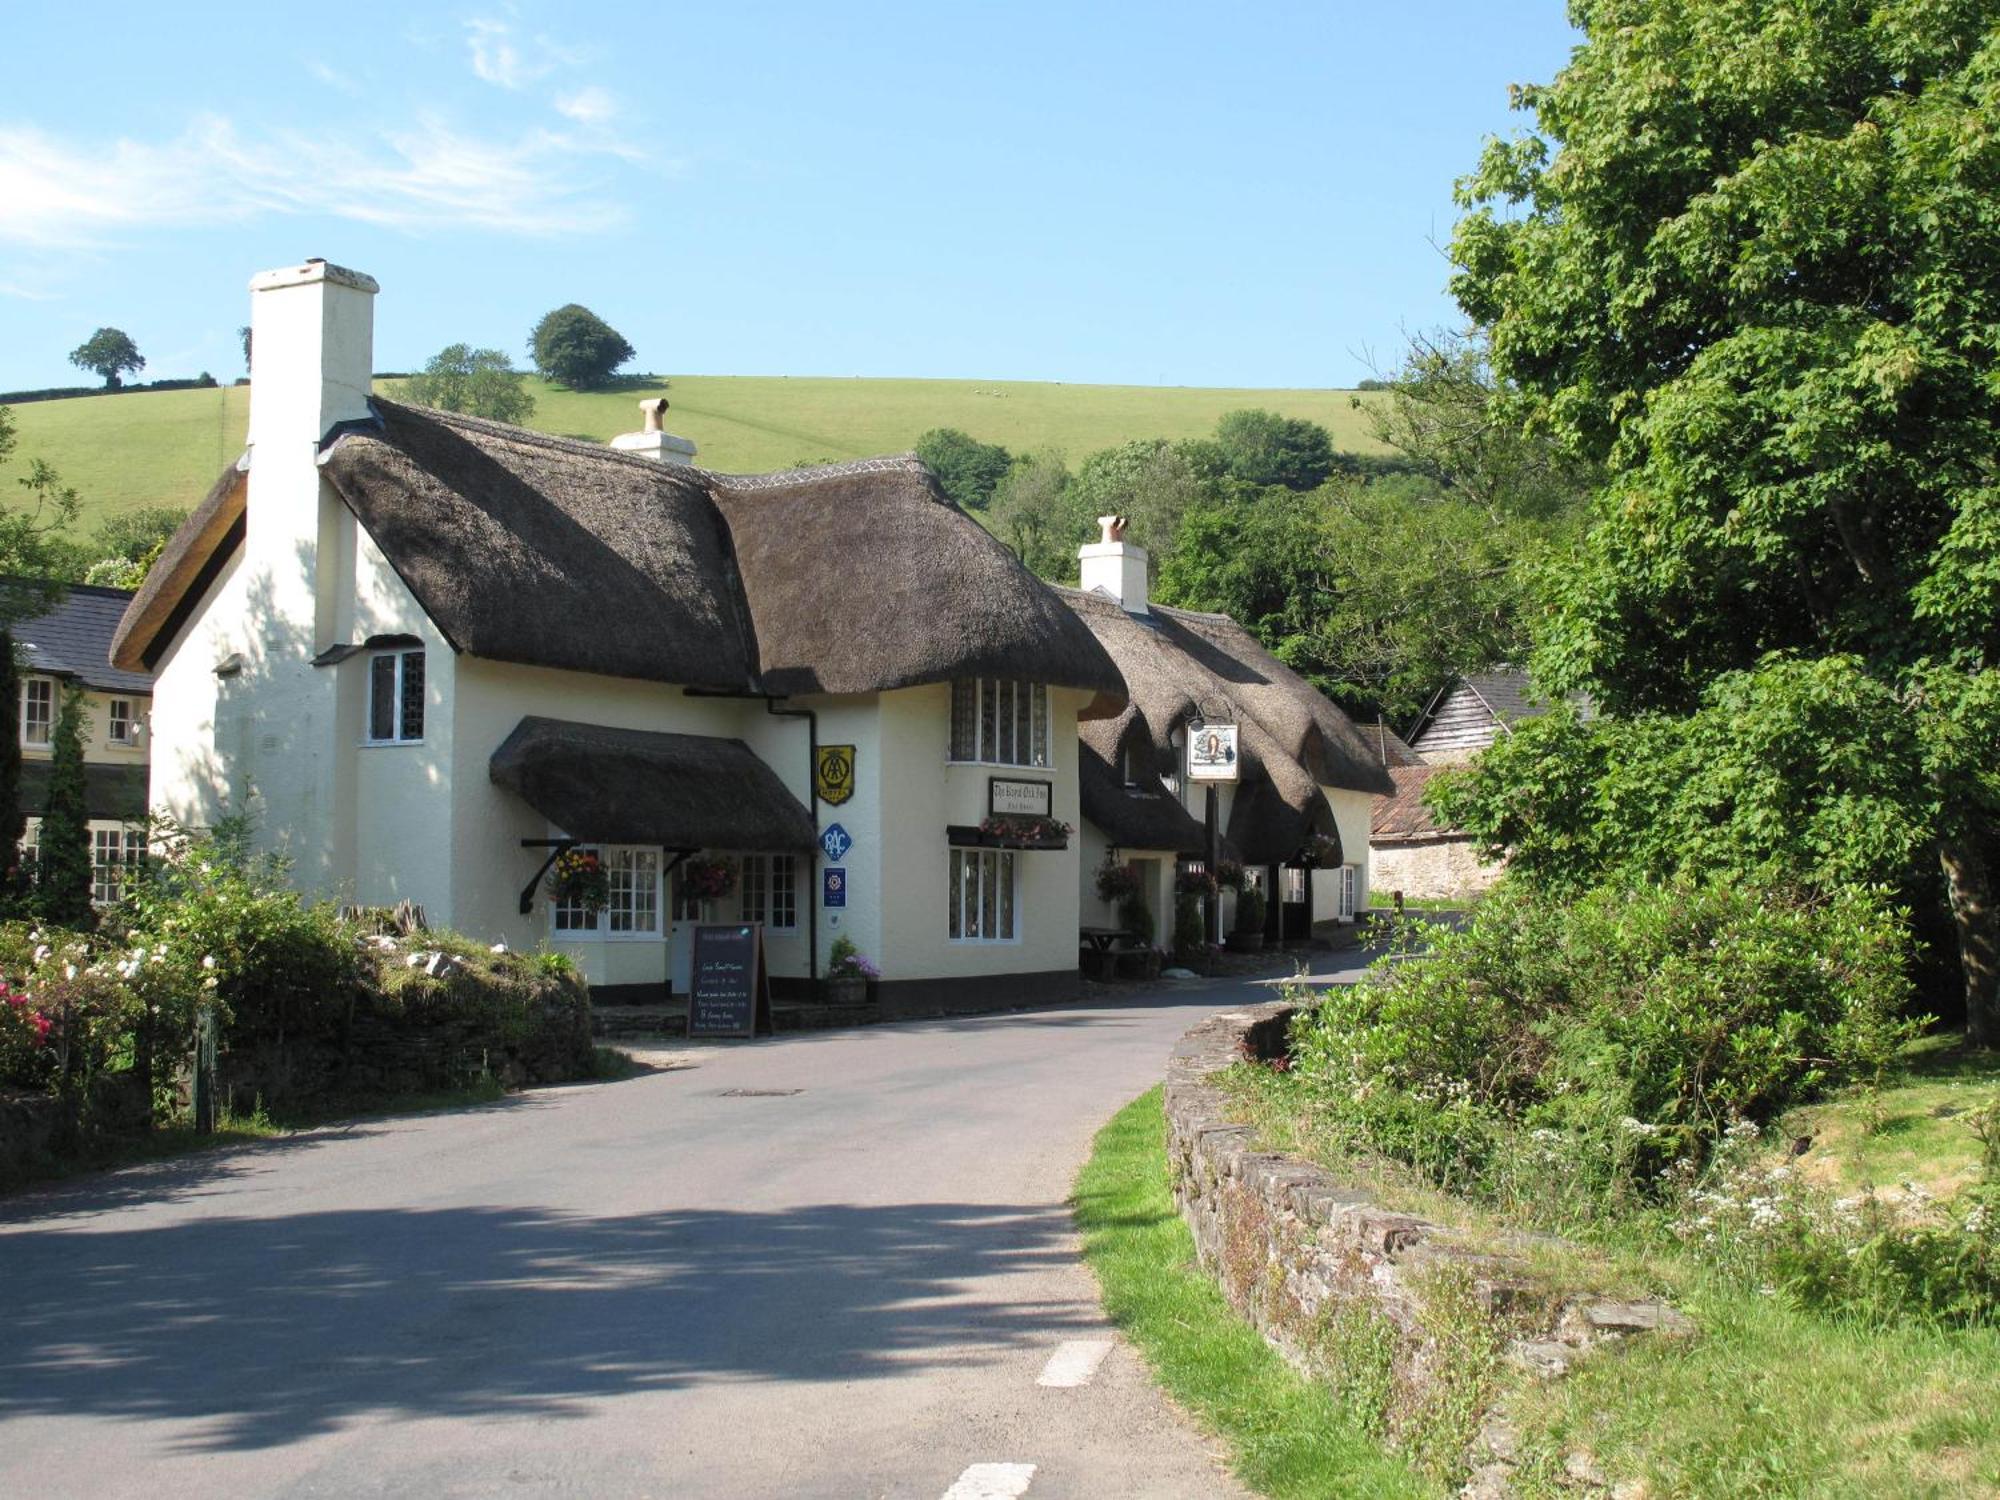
1000 723
38 711
395 697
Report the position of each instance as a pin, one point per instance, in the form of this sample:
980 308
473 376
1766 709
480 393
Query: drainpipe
811 716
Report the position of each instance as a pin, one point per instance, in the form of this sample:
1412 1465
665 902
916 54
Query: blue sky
1153 194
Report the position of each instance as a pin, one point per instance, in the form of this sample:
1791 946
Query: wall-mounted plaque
1007 797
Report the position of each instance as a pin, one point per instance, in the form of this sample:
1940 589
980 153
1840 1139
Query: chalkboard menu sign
731 994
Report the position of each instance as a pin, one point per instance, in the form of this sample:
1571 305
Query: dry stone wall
1411 1321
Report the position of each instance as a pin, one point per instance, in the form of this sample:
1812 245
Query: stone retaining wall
1410 1319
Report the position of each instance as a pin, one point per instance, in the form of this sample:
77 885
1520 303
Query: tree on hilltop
576 347
478 382
109 352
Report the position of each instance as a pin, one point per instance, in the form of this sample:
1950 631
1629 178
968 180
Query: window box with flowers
848 974
1005 831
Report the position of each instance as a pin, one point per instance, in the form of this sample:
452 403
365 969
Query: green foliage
967 469
62 858
1800 770
1190 930
1287 1435
1034 511
33 550
573 345
1135 916
13 818
1261 448
1769 314
108 352
1152 482
478 382
1553 1058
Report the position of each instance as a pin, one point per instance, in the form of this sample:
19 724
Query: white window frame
966 906
28 690
400 655
112 720
995 722
572 924
770 891
1350 879
128 843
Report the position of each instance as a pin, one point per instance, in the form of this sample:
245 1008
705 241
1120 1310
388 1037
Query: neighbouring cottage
1416 856
1298 817
423 651
69 648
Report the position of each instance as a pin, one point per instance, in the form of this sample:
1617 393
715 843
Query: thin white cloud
60 195
589 106
503 58
332 77
25 293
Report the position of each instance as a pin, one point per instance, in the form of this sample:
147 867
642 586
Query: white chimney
1115 566
656 442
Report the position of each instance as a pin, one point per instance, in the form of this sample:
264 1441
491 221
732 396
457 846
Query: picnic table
1104 939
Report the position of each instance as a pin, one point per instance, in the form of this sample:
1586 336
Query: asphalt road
695 1282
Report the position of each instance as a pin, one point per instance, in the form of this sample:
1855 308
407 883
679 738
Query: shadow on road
275 1329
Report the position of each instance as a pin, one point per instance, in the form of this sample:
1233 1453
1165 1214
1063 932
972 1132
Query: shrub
845 961
1190 932
1250 909
575 346
1556 1056
1135 916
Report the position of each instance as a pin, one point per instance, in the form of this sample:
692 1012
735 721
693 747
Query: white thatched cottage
1298 817
420 649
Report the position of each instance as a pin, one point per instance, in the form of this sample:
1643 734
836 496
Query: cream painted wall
98 747
923 792
200 738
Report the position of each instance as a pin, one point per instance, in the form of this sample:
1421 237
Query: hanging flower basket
578 878
1116 882
1229 875
708 879
1320 852
1194 883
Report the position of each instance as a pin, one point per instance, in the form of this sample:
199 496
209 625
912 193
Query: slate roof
74 640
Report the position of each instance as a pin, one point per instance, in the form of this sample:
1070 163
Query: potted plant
1019 831
578 878
848 973
1250 908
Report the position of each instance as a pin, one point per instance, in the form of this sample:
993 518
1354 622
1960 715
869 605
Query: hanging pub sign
834 774
1211 752
1009 798
730 994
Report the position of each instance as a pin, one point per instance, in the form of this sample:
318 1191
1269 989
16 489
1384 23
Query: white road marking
1074 1363
992 1482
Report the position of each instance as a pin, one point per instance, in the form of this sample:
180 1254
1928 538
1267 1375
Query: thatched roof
548 552
631 786
1141 816
182 572
863 577
1179 664
522 547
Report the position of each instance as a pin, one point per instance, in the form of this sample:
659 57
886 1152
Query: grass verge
1287 1436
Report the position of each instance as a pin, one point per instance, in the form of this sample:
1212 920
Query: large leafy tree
109 352
967 469
575 346
478 382
1750 261
1262 448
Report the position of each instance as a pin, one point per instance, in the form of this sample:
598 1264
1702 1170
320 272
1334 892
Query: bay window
1000 723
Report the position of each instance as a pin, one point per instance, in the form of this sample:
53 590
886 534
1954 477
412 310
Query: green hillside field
166 447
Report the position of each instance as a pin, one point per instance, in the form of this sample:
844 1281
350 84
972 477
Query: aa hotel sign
835 774
1211 752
